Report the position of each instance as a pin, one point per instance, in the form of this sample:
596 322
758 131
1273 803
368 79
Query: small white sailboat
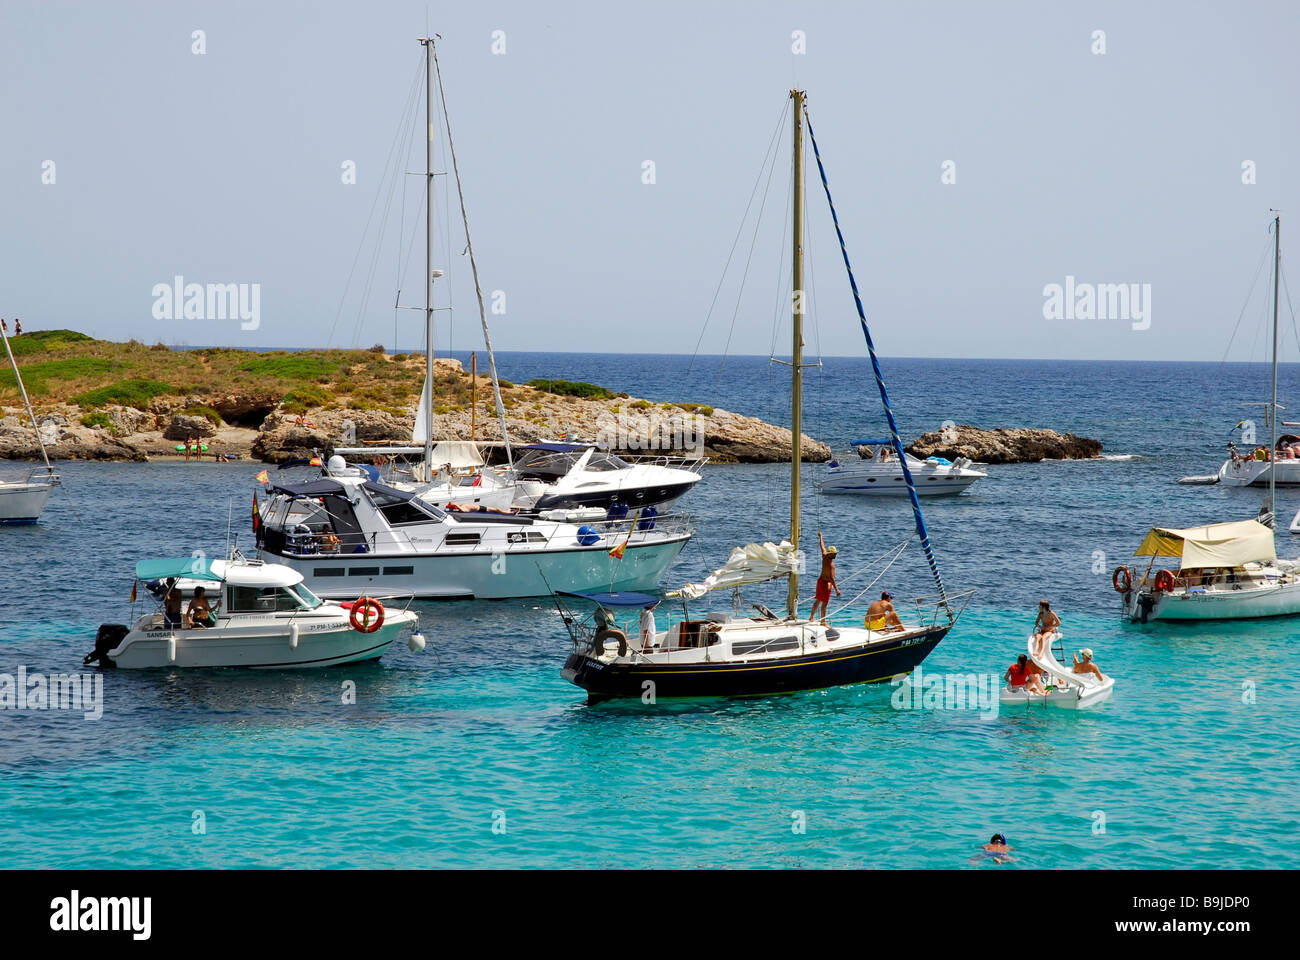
1064 688
25 491
264 617
876 472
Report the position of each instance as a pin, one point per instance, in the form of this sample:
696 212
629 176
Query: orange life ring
1164 581
1122 580
367 615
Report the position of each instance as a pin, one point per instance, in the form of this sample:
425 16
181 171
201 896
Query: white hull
515 573
324 640
1251 602
884 478
1255 473
23 502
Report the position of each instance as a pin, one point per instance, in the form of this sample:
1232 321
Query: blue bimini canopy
194 568
869 443
623 599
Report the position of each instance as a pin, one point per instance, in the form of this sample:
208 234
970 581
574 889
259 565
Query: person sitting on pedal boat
1086 665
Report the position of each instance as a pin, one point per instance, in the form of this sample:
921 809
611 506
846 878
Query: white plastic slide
1065 688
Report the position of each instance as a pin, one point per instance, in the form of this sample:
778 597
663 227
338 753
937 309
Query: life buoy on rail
367 615
1122 580
1164 581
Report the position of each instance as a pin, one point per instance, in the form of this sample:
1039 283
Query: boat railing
22 473
929 608
692 464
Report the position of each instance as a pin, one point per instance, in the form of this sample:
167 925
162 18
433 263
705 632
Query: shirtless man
172 607
1086 665
826 582
881 615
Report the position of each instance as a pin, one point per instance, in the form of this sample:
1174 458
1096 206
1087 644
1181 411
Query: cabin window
262 600
403 513
329 571
399 571
363 571
463 539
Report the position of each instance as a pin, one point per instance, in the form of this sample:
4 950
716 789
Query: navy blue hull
877 663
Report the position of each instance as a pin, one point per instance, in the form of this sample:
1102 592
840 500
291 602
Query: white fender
416 643
171 649
293 636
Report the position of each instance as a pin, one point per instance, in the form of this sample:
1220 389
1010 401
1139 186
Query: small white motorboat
1065 688
263 616
877 472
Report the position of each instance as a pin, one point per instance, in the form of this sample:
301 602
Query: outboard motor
108 637
1145 604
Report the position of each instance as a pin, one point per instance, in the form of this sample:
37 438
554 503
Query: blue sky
225 167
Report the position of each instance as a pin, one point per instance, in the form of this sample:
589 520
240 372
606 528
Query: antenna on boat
230 519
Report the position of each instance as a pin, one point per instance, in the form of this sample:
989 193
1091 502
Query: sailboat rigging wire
740 292
1267 249
880 380
740 229
898 552
473 264
402 125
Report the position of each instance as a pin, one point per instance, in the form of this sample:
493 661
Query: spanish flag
134 584
617 552
314 462
263 477
257 514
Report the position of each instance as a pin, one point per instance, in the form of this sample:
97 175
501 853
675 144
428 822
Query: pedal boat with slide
1065 688
266 619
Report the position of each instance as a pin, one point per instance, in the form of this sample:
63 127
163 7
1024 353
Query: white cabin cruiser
1260 468
263 617
877 472
351 535
1064 688
1226 571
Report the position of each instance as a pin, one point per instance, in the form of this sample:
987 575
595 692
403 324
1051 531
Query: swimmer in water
997 850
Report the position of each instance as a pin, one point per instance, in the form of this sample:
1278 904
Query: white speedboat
266 619
552 476
877 472
24 493
350 535
1225 571
1065 688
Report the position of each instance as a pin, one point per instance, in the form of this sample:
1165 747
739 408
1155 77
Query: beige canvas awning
1214 545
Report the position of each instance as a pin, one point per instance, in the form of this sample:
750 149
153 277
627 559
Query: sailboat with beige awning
1223 571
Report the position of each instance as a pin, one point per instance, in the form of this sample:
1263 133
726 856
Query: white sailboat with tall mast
349 534
721 654
1223 571
24 492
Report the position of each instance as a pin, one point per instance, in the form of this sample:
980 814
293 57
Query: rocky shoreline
273 425
1004 445
257 427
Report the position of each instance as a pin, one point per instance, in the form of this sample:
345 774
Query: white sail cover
420 433
458 454
754 563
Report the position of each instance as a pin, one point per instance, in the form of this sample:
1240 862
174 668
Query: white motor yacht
263 617
25 491
876 472
349 535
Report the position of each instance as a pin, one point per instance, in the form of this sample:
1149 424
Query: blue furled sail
880 380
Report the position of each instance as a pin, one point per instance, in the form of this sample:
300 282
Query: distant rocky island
102 400
1004 445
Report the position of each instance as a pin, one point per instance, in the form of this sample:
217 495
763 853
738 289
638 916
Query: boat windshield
556 463
309 599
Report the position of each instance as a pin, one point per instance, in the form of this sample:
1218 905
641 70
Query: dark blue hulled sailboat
723 655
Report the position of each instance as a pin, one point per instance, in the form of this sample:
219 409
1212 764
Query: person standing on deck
826 581
648 629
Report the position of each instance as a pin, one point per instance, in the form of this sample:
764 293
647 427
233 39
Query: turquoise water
1190 764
